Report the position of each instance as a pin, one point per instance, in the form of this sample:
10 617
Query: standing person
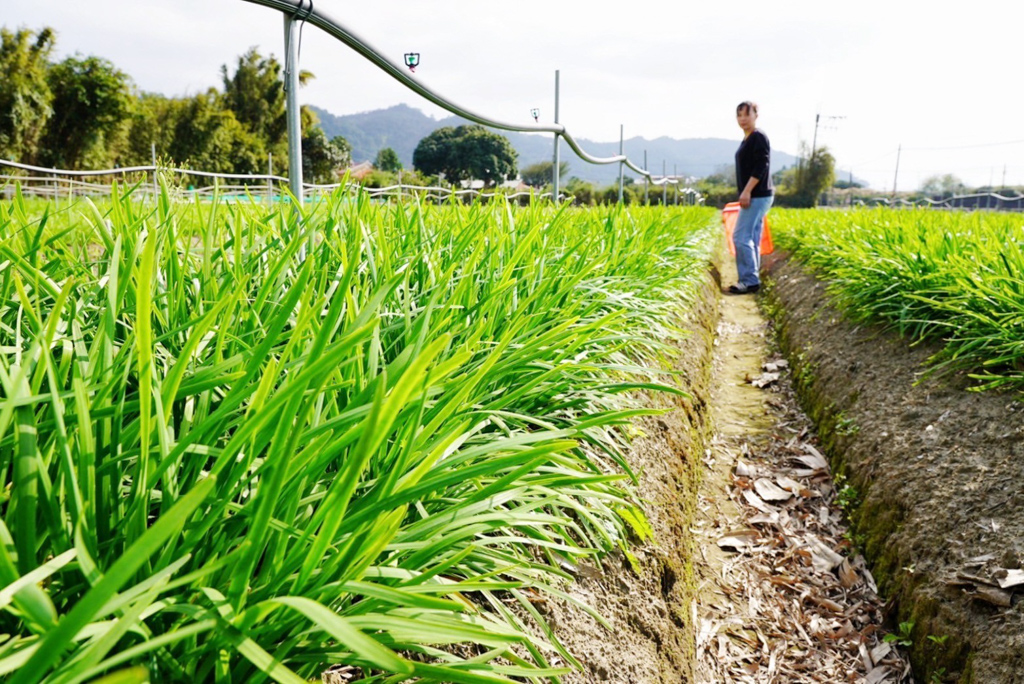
754 184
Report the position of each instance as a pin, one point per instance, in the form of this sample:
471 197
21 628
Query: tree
946 185
91 101
322 158
538 175
466 152
387 160
584 193
345 147
255 94
725 174
812 177
25 95
151 124
210 138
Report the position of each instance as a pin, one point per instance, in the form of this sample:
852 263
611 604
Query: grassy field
955 277
224 460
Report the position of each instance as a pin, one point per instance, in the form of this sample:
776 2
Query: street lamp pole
556 161
621 165
647 182
664 185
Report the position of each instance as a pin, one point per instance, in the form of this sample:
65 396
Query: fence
51 183
974 201
37 181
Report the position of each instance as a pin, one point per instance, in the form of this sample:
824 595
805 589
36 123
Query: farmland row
953 277
224 459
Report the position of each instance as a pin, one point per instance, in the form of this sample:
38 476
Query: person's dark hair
746 107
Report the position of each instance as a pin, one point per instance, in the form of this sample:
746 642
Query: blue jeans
746 237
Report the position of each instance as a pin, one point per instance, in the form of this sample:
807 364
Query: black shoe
740 288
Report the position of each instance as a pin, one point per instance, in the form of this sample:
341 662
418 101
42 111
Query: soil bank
650 606
936 472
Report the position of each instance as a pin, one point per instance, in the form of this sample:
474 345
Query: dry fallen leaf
981 560
865 657
766 519
1013 578
877 675
764 380
996 597
848 576
879 652
770 491
791 485
339 674
757 502
813 459
739 538
823 558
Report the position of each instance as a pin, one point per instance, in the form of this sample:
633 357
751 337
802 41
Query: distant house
514 184
357 171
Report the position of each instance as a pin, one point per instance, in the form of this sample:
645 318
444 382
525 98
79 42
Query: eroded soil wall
935 475
649 605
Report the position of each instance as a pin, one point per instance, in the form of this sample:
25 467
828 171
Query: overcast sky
944 85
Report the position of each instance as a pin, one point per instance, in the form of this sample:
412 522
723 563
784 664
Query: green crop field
225 461
954 277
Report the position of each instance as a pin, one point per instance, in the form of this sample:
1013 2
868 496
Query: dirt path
782 596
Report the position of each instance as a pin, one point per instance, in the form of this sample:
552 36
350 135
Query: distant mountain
402 127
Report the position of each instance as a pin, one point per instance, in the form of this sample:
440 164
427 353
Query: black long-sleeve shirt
753 160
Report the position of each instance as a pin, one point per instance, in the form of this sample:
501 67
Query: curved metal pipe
321 20
68 172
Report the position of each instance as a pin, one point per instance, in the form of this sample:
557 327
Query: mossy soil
648 600
935 475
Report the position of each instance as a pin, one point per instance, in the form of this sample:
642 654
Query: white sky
900 72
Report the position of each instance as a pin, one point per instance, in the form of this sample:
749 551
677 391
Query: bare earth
936 474
784 597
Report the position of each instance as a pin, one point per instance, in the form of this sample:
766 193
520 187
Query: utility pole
647 181
814 140
817 120
675 176
897 174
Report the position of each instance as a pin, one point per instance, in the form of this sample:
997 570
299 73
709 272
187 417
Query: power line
965 147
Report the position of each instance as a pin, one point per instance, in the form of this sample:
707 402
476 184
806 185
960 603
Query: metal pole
664 186
270 181
291 88
896 176
156 183
647 183
621 165
555 160
814 143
